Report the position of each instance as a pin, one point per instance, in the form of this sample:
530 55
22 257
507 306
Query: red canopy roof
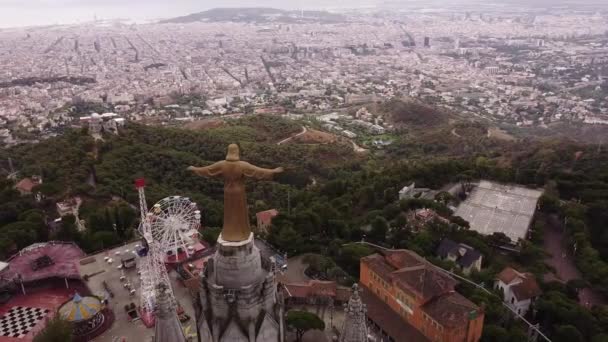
64 257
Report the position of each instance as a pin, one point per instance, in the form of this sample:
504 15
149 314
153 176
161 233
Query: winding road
304 130
356 147
562 260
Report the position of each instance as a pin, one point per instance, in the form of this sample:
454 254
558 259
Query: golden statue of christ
233 171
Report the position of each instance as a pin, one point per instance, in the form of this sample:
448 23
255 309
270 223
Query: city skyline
59 12
15 13
426 170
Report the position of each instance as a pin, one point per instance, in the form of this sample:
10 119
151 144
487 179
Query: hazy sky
43 12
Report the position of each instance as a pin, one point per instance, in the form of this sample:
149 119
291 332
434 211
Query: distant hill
256 14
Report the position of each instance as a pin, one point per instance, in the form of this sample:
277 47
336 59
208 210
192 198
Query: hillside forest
330 196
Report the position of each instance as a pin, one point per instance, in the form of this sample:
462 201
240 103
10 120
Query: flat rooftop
60 256
99 270
497 208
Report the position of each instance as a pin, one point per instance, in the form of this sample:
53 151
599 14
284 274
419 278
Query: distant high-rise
457 44
427 42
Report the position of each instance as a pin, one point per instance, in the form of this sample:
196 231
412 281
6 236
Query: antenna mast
10 165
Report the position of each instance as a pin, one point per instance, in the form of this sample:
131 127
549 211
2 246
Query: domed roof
80 308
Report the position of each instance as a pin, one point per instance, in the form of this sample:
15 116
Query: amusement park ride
167 230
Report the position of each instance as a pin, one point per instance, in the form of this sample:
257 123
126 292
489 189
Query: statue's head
233 153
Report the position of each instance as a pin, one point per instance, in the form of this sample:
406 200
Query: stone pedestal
237 264
238 297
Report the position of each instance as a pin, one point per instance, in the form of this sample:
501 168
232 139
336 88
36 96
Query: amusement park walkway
123 329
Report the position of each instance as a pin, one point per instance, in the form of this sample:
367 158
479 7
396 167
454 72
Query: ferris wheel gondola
173 222
169 228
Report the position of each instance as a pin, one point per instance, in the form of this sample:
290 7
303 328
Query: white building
519 290
407 191
349 134
106 122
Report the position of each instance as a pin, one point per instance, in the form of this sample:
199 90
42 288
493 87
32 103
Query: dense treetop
329 197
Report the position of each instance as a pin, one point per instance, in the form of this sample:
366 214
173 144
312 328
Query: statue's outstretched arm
253 171
213 170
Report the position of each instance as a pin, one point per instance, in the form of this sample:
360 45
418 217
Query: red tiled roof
26 185
64 258
388 320
377 263
425 281
316 288
451 310
323 288
411 273
508 275
433 289
403 258
265 217
297 290
527 289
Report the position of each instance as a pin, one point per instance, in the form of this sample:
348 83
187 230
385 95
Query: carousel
85 313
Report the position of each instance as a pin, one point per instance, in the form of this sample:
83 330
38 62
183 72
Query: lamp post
331 312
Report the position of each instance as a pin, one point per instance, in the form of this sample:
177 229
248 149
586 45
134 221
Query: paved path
304 130
357 148
315 336
562 260
295 271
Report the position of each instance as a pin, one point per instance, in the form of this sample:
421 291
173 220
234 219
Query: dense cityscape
515 68
397 172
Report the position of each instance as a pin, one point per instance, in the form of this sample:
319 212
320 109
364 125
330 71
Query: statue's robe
236 213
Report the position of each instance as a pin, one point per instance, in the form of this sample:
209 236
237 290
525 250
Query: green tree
444 197
22 233
57 330
460 221
350 255
600 338
286 238
318 264
379 229
493 333
567 333
302 321
68 230
210 234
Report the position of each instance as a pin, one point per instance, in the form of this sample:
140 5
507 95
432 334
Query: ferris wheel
172 223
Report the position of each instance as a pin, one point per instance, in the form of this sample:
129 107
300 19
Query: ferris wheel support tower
152 269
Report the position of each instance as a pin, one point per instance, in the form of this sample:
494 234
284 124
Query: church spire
354 328
167 326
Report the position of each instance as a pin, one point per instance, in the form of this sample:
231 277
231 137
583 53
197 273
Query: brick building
422 296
